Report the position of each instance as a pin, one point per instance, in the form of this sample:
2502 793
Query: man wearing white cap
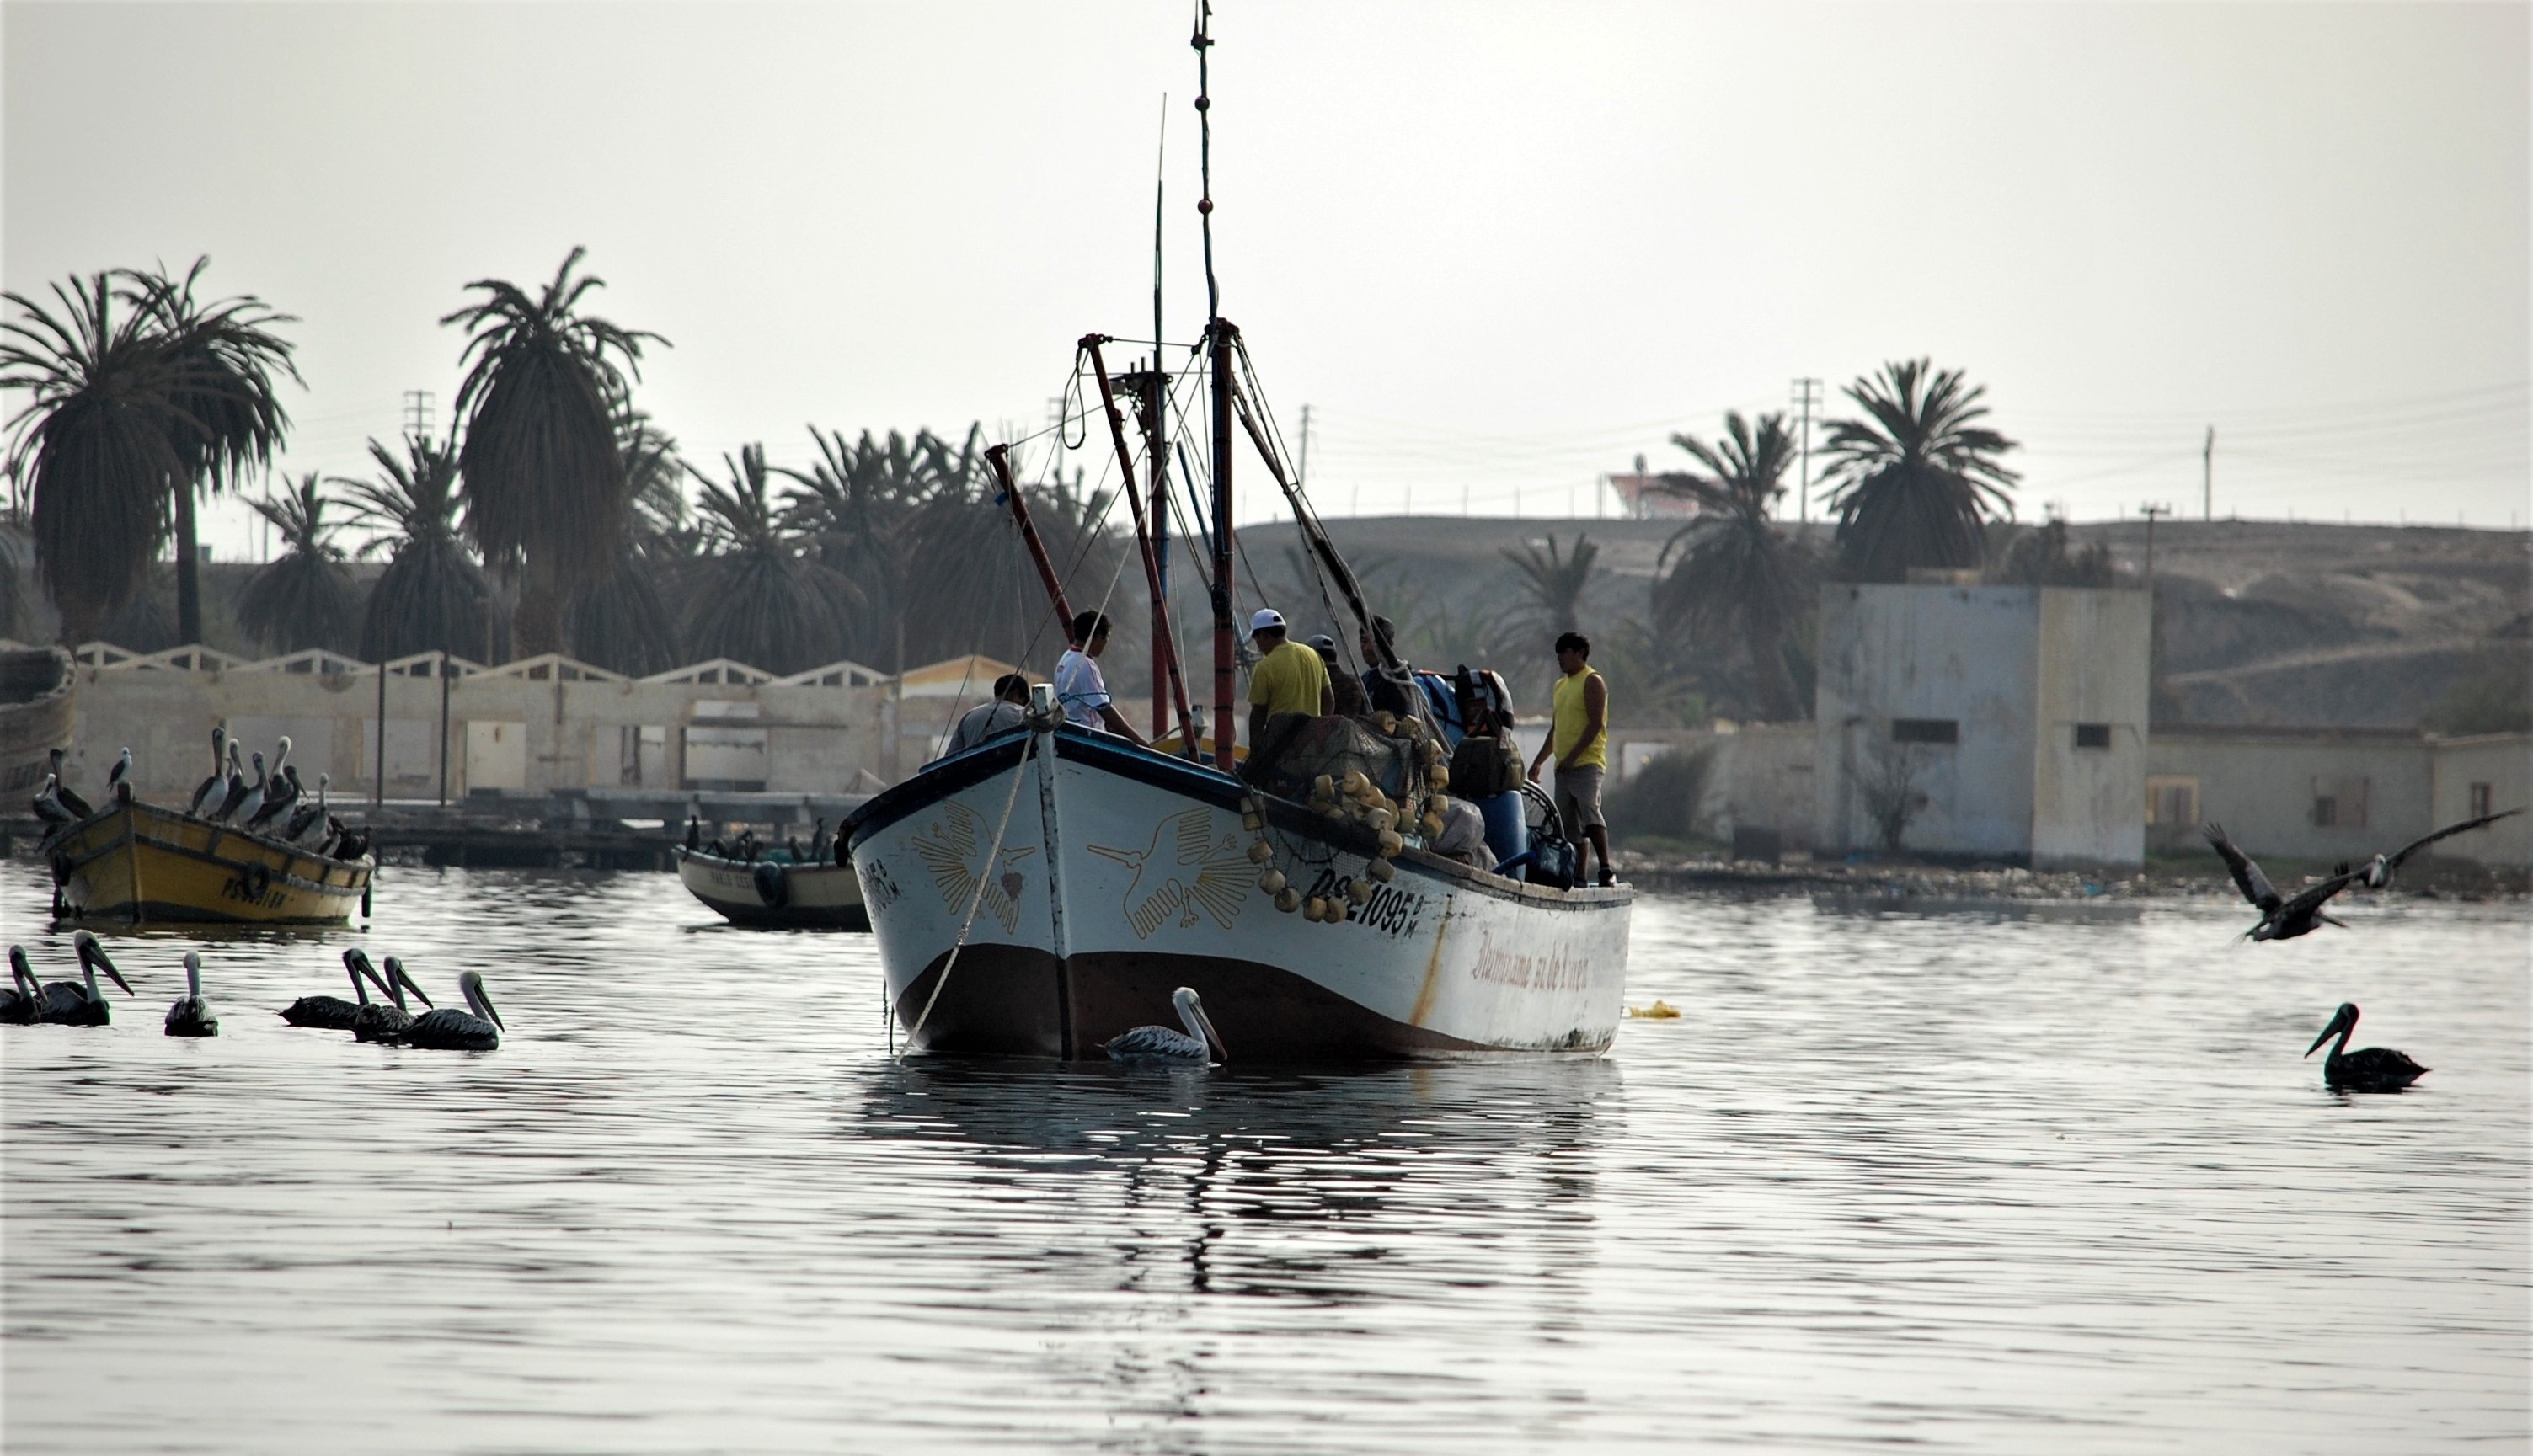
1290 677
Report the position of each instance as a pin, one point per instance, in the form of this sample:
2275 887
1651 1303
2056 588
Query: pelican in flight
2376 873
1196 1046
2281 918
2371 1069
219 780
478 1028
191 1016
377 1023
79 1003
18 1004
333 1012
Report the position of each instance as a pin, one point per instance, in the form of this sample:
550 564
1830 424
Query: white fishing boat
772 894
1078 880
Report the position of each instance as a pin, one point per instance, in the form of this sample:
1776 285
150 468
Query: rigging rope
984 875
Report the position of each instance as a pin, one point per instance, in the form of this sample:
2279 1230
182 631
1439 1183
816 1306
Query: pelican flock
389 1021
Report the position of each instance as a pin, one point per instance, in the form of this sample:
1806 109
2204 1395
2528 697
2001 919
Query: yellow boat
142 863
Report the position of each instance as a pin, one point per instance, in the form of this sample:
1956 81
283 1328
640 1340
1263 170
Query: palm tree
620 621
857 507
1737 576
1556 582
304 596
431 597
1915 480
227 357
95 442
757 598
545 477
973 589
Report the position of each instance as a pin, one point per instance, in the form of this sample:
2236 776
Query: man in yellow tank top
1579 738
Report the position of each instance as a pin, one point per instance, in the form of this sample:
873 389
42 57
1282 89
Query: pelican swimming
79 1003
1197 1045
2372 1069
478 1028
218 781
2281 918
333 1012
2376 873
78 806
191 1016
18 1004
235 793
377 1023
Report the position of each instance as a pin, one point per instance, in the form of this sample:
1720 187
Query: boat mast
1221 339
999 458
1163 645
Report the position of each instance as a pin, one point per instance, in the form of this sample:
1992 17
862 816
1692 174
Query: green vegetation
1737 576
303 598
1916 479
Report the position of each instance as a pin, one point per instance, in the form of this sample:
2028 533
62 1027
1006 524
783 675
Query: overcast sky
1500 249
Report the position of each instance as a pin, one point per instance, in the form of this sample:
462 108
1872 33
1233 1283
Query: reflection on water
1960 1180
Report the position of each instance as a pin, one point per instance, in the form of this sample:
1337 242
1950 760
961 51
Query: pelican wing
1155 1044
2256 887
2394 858
2313 897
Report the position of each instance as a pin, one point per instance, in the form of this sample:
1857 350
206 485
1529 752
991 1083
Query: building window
2093 735
2171 801
1925 731
2339 803
2480 801
2326 811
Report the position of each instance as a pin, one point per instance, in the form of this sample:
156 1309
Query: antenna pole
1164 643
1205 156
1805 396
2207 476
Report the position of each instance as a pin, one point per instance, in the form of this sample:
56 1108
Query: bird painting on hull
478 1028
333 1012
79 1003
389 1022
211 788
18 1004
2281 918
2378 873
1198 1046
191 1016
2371 1069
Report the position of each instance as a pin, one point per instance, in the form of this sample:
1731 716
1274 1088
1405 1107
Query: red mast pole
1222 334
999 458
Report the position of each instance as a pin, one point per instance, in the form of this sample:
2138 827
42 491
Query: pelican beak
95 954
2327 1033
1220 1051
396 968
483 999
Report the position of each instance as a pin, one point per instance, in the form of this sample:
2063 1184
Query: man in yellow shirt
1290 677
1579 738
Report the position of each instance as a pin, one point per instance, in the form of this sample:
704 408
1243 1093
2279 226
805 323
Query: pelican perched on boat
242 811
478 1028
79 807
276 800
2371 1069
333 1012
79 1003
48 803
238 786
118 779
18 1004
191 1016
308 816
219 780
1196 1046
389 1022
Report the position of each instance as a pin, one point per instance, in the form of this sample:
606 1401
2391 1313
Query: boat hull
1122 875
141 863
818 897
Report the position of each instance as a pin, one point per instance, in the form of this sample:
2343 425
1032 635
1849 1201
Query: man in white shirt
1079 688
1000 714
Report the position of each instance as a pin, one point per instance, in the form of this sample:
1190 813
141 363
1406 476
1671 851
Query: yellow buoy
1273 882
1380 820
1360 892
1261 852
1660 1010
1433 823
1356 785
1252 821
1289 900
1438 777
1390 842
1380 870
1323 787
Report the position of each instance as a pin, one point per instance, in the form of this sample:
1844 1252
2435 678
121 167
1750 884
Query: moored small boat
38 685
145 863
775 893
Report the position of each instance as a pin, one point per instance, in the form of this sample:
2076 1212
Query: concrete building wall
2481 775
1761 777
2094 676
2301 793
504 731
1927 655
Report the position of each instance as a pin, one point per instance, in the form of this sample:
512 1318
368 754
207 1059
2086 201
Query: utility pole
1806 394
2150 512
417 416
2207 476
1301 467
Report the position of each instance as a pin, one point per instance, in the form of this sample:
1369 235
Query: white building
1984 721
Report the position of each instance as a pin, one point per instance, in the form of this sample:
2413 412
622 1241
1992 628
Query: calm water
1959 1181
